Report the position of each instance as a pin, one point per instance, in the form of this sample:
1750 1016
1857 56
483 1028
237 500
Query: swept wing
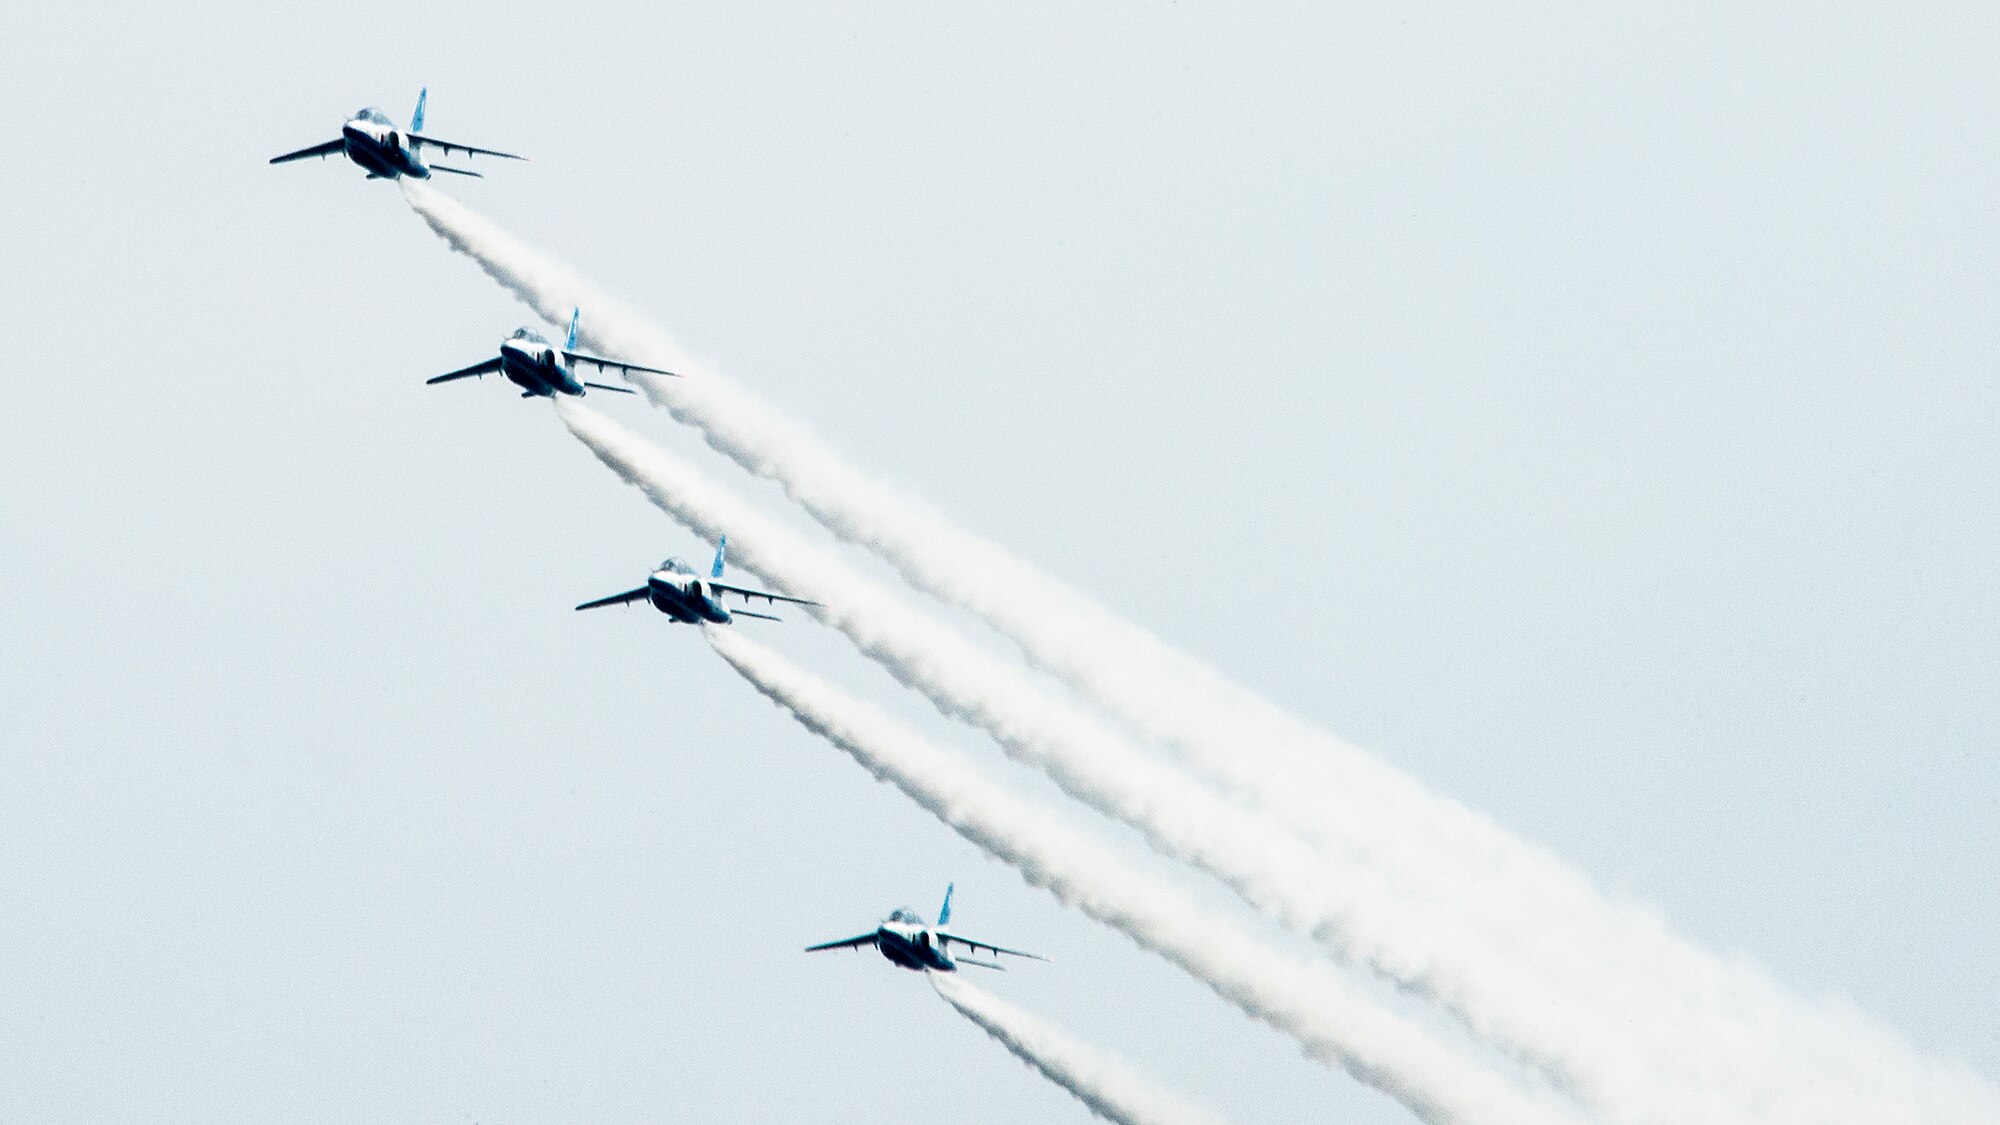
486 368
606 364
616 599
845 943
746 592
330 148
452 146
987 946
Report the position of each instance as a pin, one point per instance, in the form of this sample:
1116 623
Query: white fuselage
537 367
913 946
685 597
382 149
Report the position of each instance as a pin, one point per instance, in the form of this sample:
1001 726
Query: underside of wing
845 943
451 146
608 364
617 599
486 368
990 948
330 148
746 592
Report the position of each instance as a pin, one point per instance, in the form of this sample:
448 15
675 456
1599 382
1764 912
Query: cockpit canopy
905 914
370 113
528 334
675 566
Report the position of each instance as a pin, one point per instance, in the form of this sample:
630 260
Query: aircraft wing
845 943
328 149
627 596
606 364
450 146
486 368
745 592
995 949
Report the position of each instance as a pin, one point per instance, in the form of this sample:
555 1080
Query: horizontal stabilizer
747 613
981 964
456 171
609 387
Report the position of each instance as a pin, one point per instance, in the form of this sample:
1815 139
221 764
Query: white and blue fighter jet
538 367
911 943
677 591
385 152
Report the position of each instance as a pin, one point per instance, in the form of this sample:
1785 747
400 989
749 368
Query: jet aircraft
911 943
385 152
677 591
540 368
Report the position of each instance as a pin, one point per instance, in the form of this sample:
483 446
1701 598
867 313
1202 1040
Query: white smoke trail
1331 1021
1347 908
1110 1089
1717 1028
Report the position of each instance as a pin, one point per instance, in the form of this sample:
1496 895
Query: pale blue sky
1594 413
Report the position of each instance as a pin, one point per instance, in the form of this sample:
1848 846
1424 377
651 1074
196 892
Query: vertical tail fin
574 316
944 912
417 118
721 551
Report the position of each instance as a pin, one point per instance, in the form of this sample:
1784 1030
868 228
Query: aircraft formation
1458 911
529 360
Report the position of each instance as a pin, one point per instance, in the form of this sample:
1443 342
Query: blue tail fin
944 912
574 316
721 551
417 118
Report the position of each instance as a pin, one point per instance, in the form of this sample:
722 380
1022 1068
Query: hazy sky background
1592 412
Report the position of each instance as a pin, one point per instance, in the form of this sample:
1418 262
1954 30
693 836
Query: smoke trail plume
1109 1088
1331 1021
1719 1029
1347 908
